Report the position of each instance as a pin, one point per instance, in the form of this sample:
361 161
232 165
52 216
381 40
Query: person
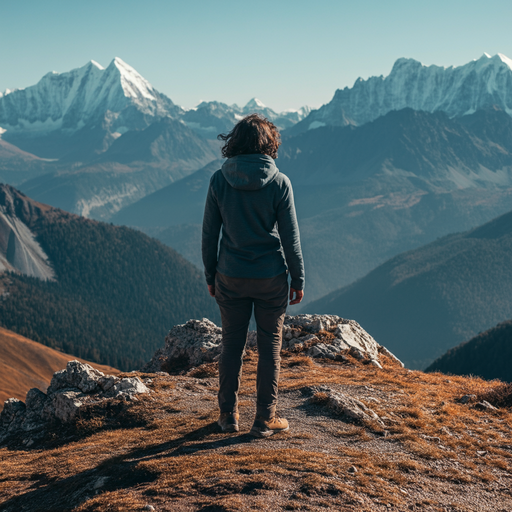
253 203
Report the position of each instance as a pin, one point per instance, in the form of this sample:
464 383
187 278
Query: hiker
253 203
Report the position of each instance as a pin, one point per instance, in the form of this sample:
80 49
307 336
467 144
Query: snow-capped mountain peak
71 100
505 60
133 83
254 103
458 90
94 63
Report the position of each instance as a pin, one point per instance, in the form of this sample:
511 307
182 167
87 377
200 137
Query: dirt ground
164 450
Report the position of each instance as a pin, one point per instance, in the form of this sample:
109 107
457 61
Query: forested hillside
487 355
117 292
423 302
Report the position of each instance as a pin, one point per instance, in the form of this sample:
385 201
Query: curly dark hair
253 134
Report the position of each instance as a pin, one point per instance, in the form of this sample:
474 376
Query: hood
249 172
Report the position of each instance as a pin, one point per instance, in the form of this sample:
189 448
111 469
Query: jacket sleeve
290 238
212 222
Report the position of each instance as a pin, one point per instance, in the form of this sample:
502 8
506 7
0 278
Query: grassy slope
25 364
423 302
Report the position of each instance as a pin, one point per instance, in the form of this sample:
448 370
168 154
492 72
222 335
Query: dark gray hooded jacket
253 203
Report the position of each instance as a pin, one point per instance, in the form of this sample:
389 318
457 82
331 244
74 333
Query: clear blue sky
286 52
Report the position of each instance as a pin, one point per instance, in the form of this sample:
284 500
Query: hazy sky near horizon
288 53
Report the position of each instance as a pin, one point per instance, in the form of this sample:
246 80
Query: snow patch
316 124
99 66
505 60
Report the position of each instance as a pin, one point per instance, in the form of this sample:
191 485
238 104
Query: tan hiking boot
228 421
265 428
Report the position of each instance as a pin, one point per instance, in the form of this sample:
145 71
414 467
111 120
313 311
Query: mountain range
364 194
113 101
93 140
212 117
134 166
457 91
387 166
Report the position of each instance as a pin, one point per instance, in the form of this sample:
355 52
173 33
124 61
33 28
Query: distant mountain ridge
213 117
458 91
116 99
364 194
181 202
444 153
135 165
93 140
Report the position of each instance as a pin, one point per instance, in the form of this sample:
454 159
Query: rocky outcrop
70 390
318 336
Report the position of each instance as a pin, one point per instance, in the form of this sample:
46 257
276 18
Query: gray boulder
64 405
76 375
341 404
193 343
71 389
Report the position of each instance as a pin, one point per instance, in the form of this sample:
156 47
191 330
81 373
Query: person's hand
299 294
211 290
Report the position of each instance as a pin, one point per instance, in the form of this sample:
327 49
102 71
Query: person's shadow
114 473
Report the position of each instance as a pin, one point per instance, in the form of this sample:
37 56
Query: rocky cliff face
455 90
19 249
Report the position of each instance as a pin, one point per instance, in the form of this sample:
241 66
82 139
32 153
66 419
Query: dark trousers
235 297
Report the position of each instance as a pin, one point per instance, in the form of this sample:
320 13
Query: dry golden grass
25 364
165 449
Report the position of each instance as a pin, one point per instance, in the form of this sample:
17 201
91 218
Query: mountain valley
364 194
439 295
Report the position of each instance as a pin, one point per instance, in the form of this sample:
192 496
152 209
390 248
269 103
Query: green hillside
487 355
117 292
423 302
